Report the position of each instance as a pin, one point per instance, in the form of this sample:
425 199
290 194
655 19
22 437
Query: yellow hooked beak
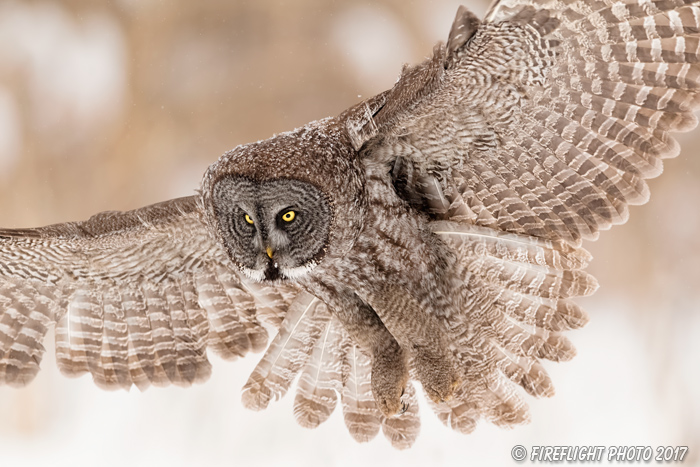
269 252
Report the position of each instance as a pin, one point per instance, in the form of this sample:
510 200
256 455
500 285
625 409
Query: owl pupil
288 216
248 219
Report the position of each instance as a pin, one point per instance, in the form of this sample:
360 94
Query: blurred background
115 105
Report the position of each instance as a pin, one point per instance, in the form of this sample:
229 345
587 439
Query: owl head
281 206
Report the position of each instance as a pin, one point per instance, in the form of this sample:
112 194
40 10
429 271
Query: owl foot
389 378
436 373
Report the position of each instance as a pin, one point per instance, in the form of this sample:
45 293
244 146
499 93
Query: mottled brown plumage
438 231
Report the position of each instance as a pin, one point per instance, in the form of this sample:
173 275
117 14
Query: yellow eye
248 219
289 216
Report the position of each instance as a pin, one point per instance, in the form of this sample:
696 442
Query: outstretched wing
547 118
518 303
519 138
136 298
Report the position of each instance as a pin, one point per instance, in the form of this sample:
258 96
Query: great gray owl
430 233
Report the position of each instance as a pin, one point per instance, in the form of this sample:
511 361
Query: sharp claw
453 387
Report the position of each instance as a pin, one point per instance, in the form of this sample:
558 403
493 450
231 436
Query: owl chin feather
298 272
254 274
274 273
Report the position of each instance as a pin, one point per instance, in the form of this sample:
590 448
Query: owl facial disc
274 229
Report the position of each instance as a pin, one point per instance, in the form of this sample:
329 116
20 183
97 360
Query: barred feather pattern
136 299
322 378
554 134
313 346
27 313
518 301
521 137
361 413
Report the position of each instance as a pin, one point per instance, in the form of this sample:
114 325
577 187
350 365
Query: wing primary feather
402 430
321 380
25 317
360 411
287 354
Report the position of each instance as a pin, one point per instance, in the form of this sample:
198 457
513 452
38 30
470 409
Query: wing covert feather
521 137
550 117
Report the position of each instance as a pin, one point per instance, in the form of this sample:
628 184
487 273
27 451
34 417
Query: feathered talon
444 215
389 378
436 373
